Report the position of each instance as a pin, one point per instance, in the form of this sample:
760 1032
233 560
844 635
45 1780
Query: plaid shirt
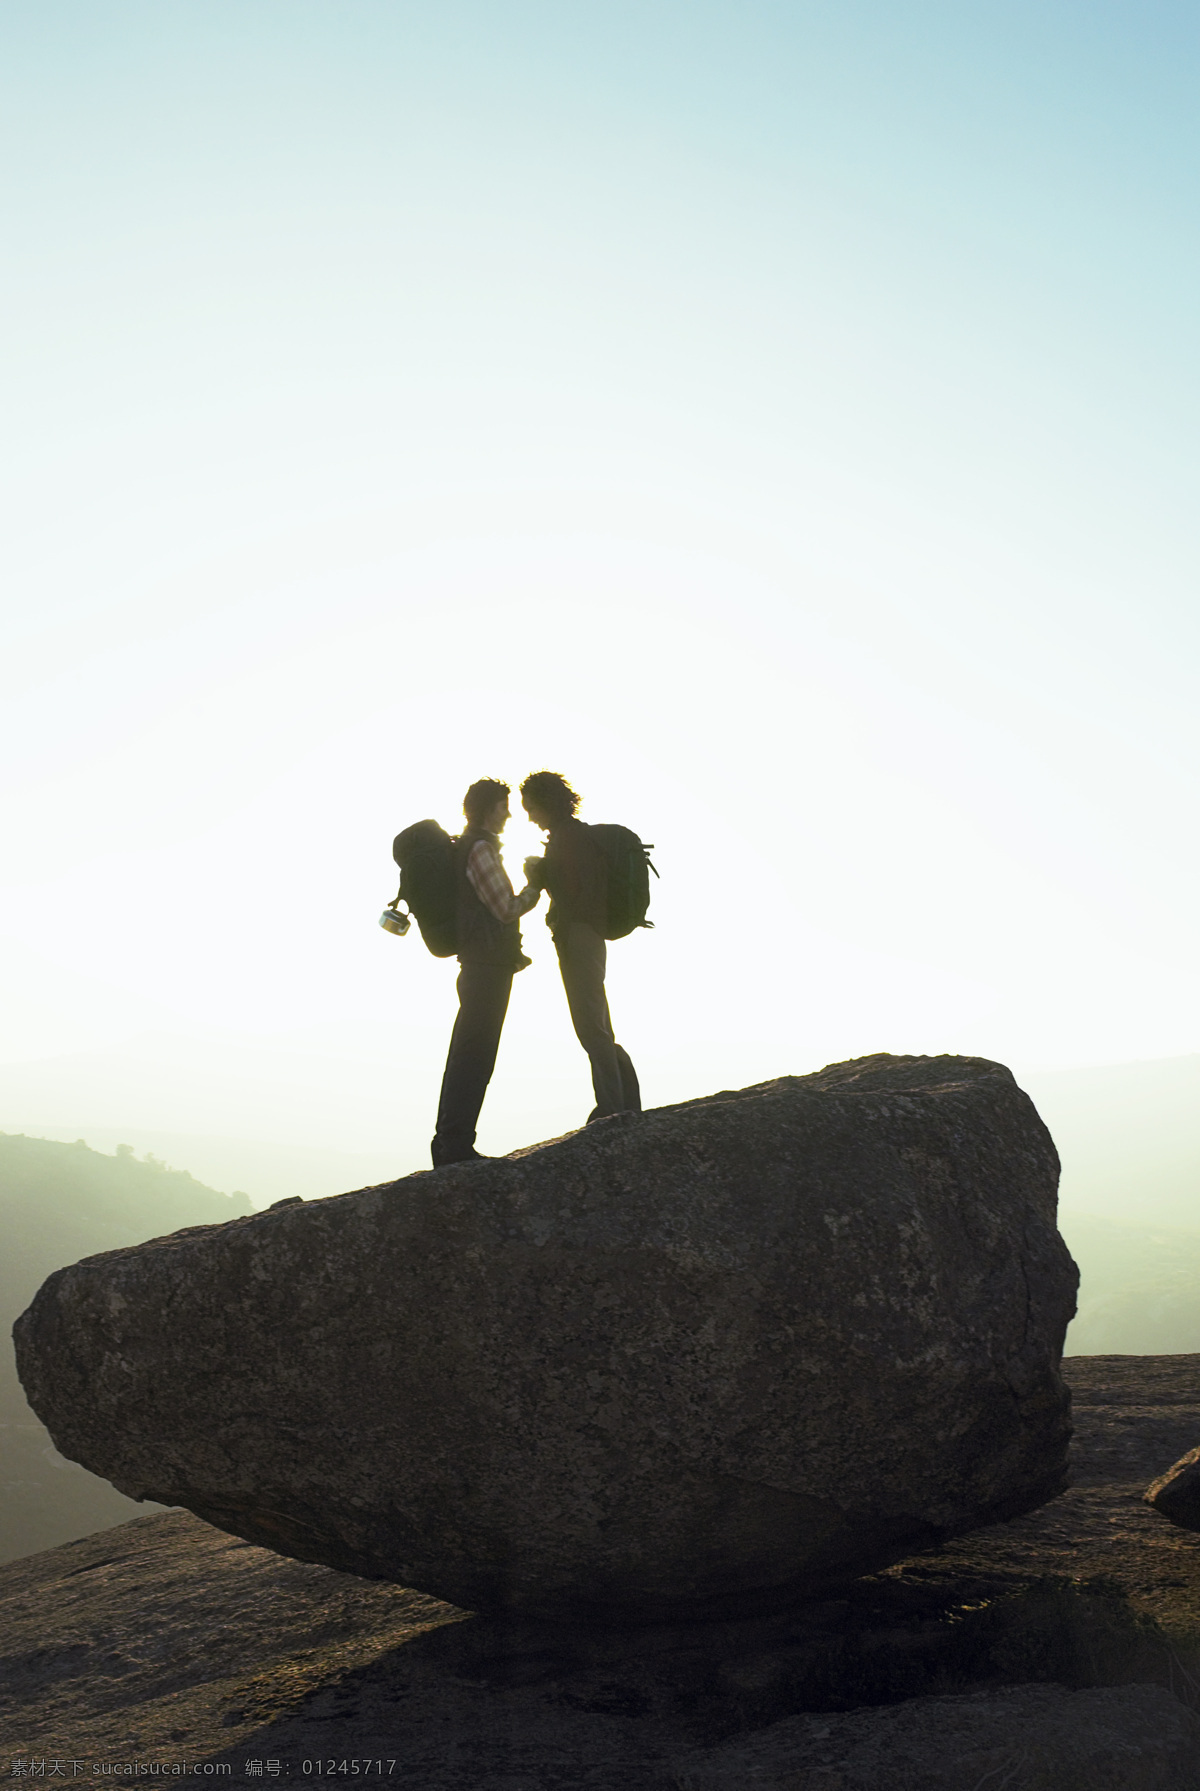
489 879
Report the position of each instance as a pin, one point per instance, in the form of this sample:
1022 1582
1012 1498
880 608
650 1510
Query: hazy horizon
1126 1133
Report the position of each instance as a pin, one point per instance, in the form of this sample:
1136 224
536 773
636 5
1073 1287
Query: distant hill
1129 1138
60 1202
1139 1288
1129 1204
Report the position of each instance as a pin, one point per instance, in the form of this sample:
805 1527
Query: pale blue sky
781 418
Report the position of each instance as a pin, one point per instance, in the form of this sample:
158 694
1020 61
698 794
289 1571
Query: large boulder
699 1363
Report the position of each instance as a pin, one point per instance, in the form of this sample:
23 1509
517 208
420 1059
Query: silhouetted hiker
489 950
576 874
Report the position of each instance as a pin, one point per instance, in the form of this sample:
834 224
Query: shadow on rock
524 1706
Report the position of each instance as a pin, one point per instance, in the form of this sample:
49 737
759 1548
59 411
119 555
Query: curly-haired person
574 872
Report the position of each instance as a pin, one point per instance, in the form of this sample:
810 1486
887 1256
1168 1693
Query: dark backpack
425 854
629 867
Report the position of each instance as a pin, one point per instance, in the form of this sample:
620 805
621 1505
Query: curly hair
551 792
482 798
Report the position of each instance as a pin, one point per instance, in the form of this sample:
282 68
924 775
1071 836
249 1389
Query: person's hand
533 871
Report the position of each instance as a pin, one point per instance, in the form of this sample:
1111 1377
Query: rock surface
1023 1738
165 1640
698 1364
1177 1492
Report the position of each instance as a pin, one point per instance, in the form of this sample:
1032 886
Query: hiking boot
450 1153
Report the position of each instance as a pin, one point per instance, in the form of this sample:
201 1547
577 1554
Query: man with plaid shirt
488 917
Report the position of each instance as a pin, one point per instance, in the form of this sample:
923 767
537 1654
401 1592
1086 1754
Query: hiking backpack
425 854
629 867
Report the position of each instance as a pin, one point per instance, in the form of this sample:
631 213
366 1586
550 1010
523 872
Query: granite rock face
1023 1737
1177 1492
700 1363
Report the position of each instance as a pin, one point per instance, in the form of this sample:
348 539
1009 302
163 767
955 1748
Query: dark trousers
582 959
483 992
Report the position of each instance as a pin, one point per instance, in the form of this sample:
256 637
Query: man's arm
489 880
